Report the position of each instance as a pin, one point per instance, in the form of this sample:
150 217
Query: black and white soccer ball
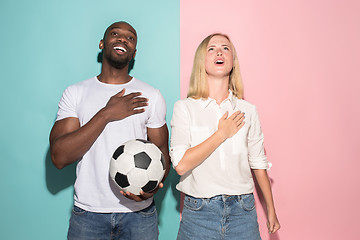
137 165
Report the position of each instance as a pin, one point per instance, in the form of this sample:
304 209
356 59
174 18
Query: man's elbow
57 159
56 162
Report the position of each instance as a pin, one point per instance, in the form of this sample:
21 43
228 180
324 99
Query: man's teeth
120 48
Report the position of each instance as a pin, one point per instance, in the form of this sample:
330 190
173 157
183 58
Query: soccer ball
137 165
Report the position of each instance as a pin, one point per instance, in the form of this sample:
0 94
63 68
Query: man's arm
69 142
160 137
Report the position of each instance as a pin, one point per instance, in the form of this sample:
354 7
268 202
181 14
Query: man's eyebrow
133 32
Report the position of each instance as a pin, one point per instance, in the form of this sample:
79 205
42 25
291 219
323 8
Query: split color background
299 62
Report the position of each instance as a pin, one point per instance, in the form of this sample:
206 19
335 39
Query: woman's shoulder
188 105
187 101
245 104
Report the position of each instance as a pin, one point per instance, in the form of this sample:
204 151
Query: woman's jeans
219 217
140 225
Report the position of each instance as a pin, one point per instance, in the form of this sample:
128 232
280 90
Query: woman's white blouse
227 169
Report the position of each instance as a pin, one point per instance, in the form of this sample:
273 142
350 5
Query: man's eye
131 38
113 33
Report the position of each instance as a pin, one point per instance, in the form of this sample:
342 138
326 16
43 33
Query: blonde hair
198 87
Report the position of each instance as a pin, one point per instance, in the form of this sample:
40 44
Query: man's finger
133 95
121 93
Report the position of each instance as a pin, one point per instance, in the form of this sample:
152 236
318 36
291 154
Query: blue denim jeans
220 217
140 225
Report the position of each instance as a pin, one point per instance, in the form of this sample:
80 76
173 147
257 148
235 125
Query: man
95 117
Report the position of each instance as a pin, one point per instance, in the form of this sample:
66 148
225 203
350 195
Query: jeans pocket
194 204
248 202
78 211
149 211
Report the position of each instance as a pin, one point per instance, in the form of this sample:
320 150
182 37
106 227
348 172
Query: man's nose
121 38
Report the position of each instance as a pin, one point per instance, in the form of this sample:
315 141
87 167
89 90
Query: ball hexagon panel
133 147
133 190
152 151
153 171
138 177
124 163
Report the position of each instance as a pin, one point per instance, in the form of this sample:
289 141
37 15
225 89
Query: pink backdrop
300 64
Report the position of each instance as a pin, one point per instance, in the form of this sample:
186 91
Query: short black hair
108 28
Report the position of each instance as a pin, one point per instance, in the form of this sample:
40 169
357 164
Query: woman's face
219 57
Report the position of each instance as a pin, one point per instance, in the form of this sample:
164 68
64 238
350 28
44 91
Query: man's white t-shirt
94 191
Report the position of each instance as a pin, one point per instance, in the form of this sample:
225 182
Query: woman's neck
218 88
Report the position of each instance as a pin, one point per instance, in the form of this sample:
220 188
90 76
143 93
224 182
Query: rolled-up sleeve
180 132
257 157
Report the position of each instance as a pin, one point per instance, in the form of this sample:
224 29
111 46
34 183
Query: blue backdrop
46 46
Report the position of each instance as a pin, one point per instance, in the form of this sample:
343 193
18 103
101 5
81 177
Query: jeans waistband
225 197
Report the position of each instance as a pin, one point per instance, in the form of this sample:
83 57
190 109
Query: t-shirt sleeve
67 104
158 111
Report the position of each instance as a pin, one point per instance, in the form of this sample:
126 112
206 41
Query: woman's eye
226 48
210 49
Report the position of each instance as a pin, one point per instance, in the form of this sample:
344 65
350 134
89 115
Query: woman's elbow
180 169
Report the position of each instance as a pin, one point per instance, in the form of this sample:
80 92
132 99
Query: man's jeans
140 225
220 217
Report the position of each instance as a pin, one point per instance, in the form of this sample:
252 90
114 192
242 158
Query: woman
216 141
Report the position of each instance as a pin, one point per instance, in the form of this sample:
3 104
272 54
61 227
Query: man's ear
134 54
101 44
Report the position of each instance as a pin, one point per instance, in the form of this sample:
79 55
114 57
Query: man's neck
113 75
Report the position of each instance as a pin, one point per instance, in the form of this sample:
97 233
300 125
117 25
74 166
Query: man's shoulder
86 82
145 88
142 85
82 84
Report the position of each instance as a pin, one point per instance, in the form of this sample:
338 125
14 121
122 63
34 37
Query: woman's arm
194 156
264 184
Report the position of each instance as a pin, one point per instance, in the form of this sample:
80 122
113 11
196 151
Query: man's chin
119 63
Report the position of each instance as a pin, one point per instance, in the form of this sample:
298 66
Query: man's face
119 44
